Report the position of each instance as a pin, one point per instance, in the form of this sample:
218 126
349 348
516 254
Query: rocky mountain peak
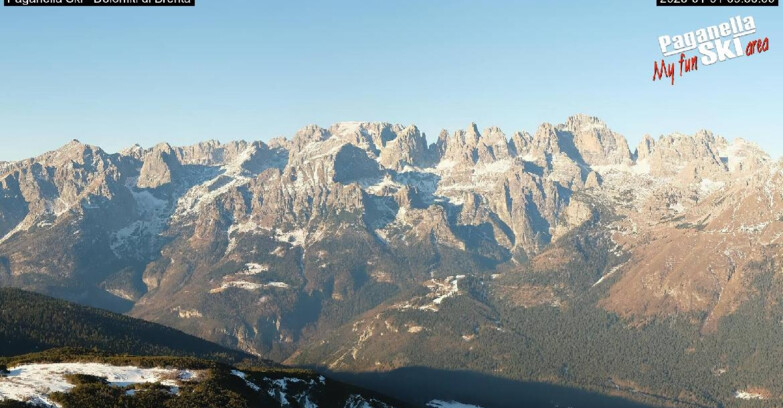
673 152
472 134
545 141
646 146
595 143
135 151
459 146
584 122
494 145
408 148
520 143
365 135
73 147
160 167
308 135
472 146
73 153
740 155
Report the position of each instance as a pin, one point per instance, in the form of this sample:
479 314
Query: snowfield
254 269
440 290
281 391
243 376
746 395
34 382
242 284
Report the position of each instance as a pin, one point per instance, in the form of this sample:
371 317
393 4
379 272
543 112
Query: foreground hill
169 369
70 379
30 322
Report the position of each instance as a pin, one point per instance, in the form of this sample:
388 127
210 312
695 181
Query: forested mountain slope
559 256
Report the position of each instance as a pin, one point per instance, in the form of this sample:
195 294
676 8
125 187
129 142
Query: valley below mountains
561 258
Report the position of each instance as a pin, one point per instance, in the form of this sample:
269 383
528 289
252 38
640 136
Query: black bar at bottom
98 3
714 3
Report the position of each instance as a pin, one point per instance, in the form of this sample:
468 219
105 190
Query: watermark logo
78 3
707 46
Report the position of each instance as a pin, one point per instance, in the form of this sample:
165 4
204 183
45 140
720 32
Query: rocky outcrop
645 148
161 167
594 142
407 148
674 153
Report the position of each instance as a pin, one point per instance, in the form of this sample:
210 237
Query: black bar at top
717 3
99 3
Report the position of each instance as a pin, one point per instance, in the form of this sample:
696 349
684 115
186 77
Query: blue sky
253 70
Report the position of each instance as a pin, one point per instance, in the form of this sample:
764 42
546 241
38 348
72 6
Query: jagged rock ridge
267 246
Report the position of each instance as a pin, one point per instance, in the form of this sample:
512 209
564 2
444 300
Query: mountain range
559 257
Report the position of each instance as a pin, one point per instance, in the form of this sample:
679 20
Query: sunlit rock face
359 216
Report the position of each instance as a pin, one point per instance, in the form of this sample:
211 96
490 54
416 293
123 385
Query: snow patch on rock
295 237
745 395
243 376
440 290
187 313
136 240
357 401
242 284
254 269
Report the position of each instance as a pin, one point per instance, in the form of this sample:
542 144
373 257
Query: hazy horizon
234 70
431 137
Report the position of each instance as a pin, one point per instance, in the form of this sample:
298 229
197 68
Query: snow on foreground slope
34 382
291 389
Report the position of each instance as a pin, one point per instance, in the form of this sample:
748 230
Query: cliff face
265 246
